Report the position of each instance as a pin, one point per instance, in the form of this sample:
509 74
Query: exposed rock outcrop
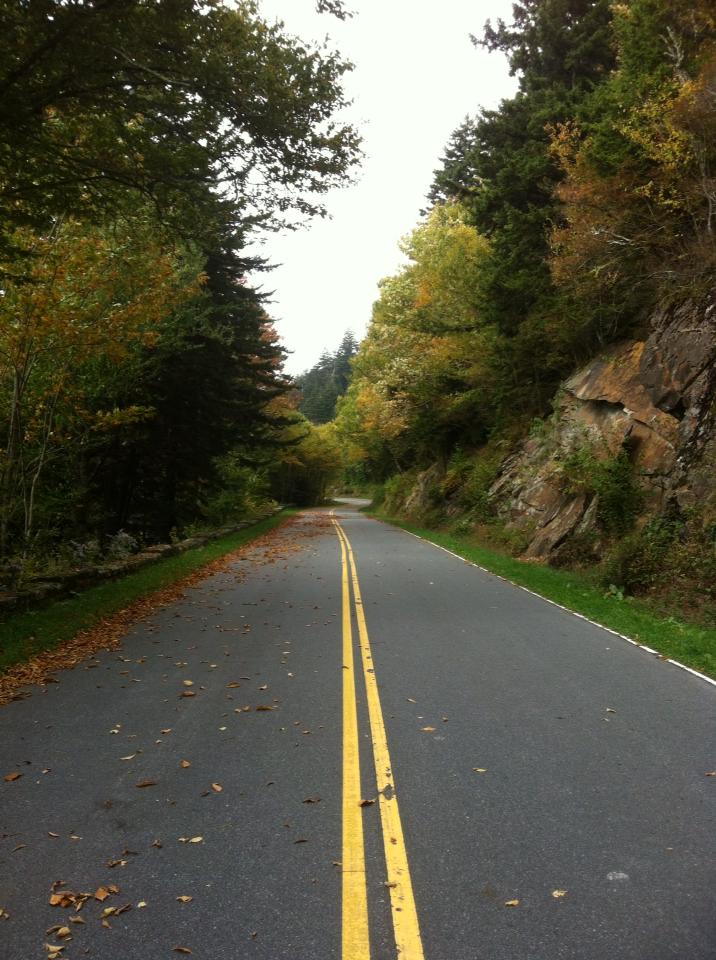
421 497
658 393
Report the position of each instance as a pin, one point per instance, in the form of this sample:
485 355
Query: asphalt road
541 786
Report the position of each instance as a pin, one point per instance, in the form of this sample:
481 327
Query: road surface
351 745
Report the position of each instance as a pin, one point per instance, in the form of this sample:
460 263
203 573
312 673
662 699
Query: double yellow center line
355 931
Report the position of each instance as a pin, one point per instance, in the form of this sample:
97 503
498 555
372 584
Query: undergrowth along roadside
688 643
24 635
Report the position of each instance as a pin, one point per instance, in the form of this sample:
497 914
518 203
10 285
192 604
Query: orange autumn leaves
639 190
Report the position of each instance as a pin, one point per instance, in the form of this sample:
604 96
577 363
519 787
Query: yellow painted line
354 927
405 916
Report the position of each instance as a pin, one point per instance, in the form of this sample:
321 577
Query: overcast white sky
416 77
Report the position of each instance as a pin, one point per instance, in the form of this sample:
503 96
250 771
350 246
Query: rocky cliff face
659 395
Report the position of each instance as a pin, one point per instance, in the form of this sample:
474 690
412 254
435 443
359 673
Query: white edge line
635 643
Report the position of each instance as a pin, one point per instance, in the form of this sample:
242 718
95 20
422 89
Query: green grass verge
688 643
25 634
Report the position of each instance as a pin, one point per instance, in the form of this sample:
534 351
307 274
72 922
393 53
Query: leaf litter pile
109 633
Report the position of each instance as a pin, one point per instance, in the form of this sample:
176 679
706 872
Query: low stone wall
43 590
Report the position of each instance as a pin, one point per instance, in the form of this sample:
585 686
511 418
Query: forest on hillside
327 380
558 227
556 224
145 145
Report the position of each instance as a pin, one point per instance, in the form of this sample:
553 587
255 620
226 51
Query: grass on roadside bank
688 643
23 635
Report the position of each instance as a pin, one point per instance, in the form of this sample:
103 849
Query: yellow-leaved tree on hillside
422 371
83 296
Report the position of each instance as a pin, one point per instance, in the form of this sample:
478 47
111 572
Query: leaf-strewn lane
235 686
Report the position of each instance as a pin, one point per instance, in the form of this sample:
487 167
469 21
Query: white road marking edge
635 643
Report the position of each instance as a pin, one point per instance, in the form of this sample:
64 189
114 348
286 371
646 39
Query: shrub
468 479
475 491
396 489
121 545
637 561
612 480
243 491
620 497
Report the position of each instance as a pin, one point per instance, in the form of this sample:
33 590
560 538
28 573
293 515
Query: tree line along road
350 744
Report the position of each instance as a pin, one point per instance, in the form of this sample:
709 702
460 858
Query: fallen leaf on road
130 757
185 763
428 729
366 803
301 840
142 903
610 710
182 950
312 800
53 835
53 952
512 903
233 685
216 787
479 769
10 777
410 700
168 730
711 773
265 706
196 840
187 693
558 894
147 783
188 683
101 893
185 899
